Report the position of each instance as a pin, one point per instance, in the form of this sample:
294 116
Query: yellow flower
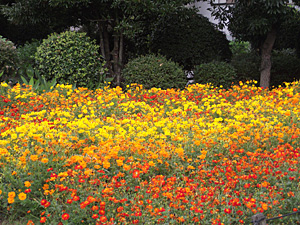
27 184
119 162
0 192
22 196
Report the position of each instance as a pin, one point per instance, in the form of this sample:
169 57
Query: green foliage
239 47
189 39
251 20
154 71
70 57
26 56
246 65
39 84
216 73
8 58
285 67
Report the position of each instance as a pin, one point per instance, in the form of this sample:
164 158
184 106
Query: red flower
47 204
65 216
227 210
136 174
43 219
95 216
43 202
27 190
76 198
138 214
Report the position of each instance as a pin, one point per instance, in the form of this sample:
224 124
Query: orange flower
103 219
27 184
10 200
264 206
11 194
34 157
30 222
126 167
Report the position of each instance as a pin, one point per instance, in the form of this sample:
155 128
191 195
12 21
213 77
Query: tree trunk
120 63
107 50
266 52
100 26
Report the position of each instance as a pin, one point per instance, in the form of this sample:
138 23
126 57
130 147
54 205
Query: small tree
189 39
113 19
257 21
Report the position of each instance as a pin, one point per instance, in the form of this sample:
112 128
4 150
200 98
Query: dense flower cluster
203 155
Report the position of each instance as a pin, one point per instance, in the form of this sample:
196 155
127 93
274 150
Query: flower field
201 155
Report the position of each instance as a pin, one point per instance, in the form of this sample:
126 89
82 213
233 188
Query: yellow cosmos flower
22 196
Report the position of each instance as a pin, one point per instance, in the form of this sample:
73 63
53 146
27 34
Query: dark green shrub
189 39
70 57
246 66
8 58
216 73
154 71
285 67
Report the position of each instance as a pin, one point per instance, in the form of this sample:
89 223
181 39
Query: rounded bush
216 73
154 71
189 39
70 57
8 58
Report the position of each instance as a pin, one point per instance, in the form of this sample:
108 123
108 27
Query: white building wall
203 10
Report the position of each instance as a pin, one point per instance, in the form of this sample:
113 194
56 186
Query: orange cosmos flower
27 184
103 219
30 222
34 157
11 194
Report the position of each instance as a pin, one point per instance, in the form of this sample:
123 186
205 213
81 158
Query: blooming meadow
202 155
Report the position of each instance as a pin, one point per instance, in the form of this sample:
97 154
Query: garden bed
201 155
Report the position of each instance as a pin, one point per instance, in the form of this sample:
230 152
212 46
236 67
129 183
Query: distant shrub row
73 58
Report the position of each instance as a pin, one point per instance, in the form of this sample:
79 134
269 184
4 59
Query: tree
257 21
113 19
